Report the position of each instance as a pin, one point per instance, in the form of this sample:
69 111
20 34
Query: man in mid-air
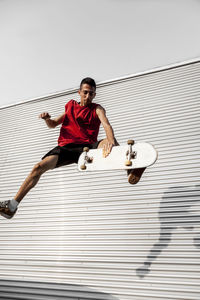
80 128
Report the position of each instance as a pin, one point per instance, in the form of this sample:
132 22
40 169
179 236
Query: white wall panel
92 235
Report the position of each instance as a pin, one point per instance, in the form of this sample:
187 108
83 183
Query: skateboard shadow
174 213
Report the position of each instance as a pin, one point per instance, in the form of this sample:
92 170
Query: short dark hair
89 81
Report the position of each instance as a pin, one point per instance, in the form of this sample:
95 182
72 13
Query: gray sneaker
5 211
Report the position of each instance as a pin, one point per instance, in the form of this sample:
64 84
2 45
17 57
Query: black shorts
69 153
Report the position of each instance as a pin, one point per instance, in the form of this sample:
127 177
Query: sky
48 46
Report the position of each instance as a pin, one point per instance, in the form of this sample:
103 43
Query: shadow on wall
177 209
16 289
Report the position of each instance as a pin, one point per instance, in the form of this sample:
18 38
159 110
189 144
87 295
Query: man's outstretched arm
51 123
111 141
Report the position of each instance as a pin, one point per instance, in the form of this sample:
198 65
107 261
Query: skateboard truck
130 153
87 159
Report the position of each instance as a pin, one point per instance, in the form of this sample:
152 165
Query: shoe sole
133 179
135 176
7 216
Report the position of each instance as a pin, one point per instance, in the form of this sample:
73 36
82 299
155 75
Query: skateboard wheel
86 149
83 167
128 163
130 142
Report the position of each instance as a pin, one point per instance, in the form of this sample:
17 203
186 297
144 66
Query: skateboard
127 157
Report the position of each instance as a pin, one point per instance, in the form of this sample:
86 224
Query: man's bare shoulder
100 109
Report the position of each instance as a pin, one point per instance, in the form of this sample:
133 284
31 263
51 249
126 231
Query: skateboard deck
130 156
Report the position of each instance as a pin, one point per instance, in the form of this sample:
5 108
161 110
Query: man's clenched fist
45 116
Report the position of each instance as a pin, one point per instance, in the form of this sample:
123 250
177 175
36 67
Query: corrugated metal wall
92 235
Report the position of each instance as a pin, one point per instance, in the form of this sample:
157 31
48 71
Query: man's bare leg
46 164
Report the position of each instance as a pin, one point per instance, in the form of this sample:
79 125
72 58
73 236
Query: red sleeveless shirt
80 124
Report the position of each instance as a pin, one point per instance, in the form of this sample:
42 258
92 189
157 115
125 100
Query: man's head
87 91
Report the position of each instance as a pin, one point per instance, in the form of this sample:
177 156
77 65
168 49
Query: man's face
87 94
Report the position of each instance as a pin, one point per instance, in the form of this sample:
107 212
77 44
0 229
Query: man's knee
46 164
38 170
43 166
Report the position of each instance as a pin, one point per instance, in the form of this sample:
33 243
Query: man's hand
107 148
51 123
45 116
